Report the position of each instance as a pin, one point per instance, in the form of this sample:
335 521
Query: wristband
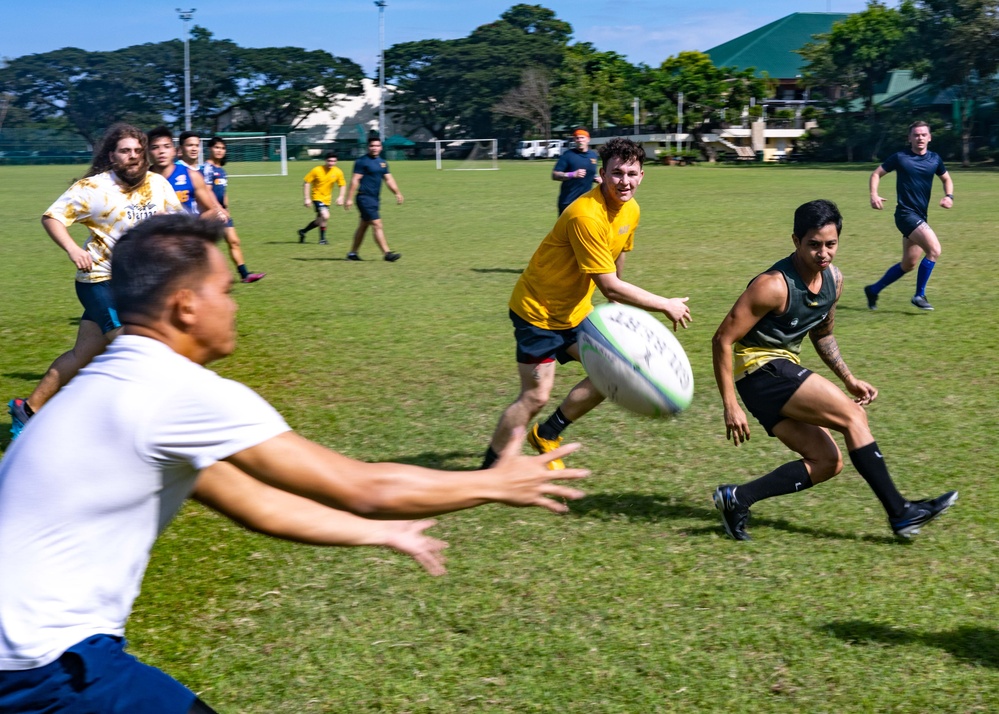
949 195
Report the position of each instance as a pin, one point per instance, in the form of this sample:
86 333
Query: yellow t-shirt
555 290
322 180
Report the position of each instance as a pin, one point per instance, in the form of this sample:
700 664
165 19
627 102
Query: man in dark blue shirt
916 167
576 169
369 172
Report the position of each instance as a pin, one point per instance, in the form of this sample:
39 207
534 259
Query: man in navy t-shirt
576 169
369 172
916 167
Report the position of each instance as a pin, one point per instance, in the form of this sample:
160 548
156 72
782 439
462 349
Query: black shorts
536 345
320 207
907 222
368 208
768 389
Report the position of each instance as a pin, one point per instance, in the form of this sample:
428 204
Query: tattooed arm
825 345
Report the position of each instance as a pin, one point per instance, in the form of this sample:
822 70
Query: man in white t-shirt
79 513
116 194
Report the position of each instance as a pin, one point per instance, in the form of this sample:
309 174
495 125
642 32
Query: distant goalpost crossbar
253 155
467 154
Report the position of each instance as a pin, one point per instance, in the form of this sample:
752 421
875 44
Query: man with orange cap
576 169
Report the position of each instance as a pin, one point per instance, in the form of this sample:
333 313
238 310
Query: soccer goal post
467 154
253 155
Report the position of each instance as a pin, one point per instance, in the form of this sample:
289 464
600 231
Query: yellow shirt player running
585 250
318 193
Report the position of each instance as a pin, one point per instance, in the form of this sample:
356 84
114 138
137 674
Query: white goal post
467 154
252 155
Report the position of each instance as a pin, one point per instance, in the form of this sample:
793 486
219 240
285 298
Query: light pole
381 67
186 16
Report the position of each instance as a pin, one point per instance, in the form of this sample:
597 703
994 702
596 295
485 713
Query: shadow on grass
439 460
973 645
26 376
342 260
645 507
512 271
881 310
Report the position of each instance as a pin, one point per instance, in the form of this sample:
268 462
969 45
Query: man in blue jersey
218 181
916 167
576 169
190 186
795 297
369 172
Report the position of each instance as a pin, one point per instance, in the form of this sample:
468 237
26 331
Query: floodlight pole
634 106
381 61
186 16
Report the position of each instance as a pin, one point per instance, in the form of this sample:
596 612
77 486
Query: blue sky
641 30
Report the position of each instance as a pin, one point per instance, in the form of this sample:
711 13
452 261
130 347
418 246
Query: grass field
634 602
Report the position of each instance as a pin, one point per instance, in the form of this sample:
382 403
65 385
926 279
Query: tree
706 89
531 101
283 85
959 43
587 77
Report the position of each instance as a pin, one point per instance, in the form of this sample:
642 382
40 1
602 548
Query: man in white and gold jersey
585 250
117 193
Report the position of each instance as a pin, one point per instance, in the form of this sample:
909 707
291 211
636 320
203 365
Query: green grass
635 602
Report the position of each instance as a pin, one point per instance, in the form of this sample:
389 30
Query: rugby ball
635 361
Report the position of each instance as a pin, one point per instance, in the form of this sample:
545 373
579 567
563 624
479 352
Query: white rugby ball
635 361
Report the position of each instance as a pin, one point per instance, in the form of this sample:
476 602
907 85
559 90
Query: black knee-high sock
871 465
489 459
553 426
787 478
309 227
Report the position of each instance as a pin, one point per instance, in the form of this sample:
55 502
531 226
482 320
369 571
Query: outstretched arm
277 513
617 290
294 464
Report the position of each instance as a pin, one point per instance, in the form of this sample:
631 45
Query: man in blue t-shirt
369 172
576 169
916 167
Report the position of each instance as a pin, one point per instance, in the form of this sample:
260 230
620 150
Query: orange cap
581 132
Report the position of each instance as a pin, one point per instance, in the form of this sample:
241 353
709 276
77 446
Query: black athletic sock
787 478
309 227
322 234
871 465
243 272
28 410
553 426
490 458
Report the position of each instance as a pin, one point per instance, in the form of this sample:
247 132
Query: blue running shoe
734 515
18 417
920 513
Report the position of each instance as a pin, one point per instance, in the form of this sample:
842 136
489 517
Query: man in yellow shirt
585 250
318 190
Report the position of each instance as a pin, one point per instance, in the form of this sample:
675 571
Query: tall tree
587 77
959 43
531 101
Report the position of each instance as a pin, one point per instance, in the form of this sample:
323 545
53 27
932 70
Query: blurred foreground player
86 490
795 297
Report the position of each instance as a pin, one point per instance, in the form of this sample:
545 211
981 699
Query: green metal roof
771 48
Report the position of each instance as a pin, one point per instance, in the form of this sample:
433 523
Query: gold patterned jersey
108 209
555 291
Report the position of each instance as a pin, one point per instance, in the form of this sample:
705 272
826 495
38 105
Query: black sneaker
301 236
353 256
920 513
392 257
921 302
734 515
323 241
872 298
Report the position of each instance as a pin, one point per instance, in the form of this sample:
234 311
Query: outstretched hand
678 312
408 538
526 480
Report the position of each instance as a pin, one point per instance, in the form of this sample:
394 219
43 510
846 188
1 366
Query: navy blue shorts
768 389
907 222
536 345
95 675
320 207
98 305
368 208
